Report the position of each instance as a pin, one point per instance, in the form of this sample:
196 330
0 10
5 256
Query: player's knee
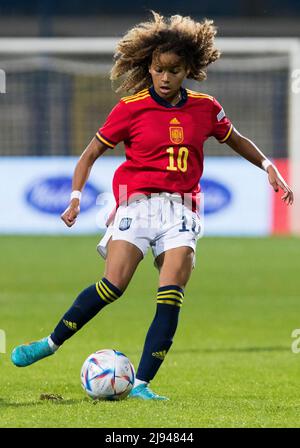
177 273
118 282
120 278
176 279
108 291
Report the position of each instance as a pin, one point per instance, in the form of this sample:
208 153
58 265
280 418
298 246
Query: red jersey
164 143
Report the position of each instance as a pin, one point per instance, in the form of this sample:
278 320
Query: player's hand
70 214
277 181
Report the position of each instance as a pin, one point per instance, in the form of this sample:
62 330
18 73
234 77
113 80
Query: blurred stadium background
56 57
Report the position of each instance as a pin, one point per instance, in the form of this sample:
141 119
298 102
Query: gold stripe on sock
109 291
101 293
173 291
170 302
105 293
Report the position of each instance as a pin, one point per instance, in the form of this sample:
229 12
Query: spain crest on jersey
176 134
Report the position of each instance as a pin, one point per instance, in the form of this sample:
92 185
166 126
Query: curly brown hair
191 40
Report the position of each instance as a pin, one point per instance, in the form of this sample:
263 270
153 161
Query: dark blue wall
231 8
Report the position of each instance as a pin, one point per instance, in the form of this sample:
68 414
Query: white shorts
161 222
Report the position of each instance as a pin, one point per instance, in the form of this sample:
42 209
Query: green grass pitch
231 364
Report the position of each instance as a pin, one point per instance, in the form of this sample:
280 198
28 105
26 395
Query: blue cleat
143 392
27 354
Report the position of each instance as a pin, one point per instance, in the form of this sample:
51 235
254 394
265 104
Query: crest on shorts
125 223
176 134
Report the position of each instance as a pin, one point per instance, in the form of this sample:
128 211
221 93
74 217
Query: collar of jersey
166 103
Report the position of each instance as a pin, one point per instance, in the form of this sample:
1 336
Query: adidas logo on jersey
160 355
174 121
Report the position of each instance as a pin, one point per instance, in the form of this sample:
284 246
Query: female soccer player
164 127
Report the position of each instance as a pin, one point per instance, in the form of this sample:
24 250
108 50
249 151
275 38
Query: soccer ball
107 375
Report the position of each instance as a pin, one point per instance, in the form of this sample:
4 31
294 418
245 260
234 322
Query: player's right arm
82 170
114 130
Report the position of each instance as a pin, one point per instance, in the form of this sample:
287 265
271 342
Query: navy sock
89 302
161 332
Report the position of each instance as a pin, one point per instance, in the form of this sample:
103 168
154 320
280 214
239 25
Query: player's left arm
247 149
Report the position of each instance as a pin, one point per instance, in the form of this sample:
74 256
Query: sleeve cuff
104 140
227 135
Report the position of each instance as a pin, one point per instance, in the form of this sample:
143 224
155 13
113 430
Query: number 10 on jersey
179 162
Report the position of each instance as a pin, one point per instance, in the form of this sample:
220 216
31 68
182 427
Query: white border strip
103 45
107 45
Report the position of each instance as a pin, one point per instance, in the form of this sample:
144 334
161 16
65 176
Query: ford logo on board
216 196
52 195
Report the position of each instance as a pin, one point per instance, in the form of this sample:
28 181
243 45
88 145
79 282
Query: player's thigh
121 262
175 266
